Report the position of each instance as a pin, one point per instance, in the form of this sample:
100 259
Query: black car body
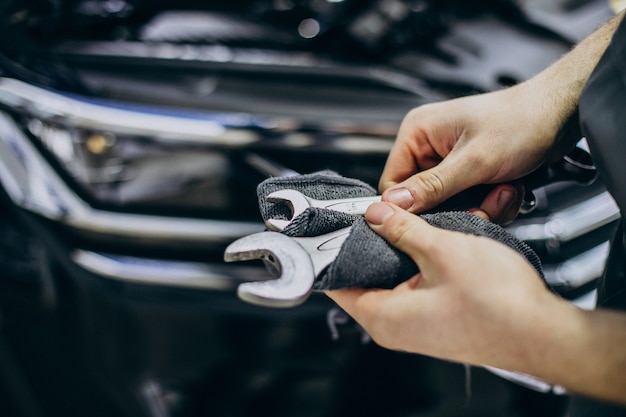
132 137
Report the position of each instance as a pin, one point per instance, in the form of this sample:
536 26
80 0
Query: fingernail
377 213
506 198
400 197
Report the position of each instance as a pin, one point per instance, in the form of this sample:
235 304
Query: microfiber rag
366 260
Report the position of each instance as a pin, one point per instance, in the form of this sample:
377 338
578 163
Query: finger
361 304
372 307
404 161
401 164
349 298
502 204
346 298
407 232
428 189
412 151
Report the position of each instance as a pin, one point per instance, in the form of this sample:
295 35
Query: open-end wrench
299 202
299 260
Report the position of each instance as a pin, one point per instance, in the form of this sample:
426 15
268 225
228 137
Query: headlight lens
128 170
138 158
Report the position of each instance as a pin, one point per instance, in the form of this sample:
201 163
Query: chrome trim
224 129
148 271
34 185
268 167
571 222
132 120
526 380
587 301
580 269
244 59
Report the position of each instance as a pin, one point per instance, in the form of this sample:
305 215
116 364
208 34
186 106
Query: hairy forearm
555 92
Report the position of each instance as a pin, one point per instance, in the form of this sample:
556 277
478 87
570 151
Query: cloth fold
366 260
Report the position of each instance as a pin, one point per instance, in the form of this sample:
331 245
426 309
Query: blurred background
133 134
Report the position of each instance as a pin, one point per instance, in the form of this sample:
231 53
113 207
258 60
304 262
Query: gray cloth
366 260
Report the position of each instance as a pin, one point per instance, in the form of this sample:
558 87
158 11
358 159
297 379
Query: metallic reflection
33 185
165 272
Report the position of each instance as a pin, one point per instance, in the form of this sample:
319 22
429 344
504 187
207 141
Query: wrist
558 334
581 350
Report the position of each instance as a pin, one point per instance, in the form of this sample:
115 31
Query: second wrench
299 202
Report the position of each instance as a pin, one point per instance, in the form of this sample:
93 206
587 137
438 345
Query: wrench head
295 200
294 263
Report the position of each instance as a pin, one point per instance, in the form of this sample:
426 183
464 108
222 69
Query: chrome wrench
299 260
298 203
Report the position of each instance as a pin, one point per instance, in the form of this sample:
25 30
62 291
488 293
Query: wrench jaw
277 225
264 294
295 200
297 273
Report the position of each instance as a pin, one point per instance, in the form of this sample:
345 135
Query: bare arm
443 148
585 351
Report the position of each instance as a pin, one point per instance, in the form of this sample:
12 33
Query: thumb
429 188
407 232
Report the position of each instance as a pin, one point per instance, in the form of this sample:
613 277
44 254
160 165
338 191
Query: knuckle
414 113
379 330
429 186
401 229
418 115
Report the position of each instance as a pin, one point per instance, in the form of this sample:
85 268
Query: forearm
584 351
554 93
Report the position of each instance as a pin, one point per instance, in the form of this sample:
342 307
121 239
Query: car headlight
125 170
135 157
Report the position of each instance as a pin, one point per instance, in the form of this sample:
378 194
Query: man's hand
473 300
444 148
